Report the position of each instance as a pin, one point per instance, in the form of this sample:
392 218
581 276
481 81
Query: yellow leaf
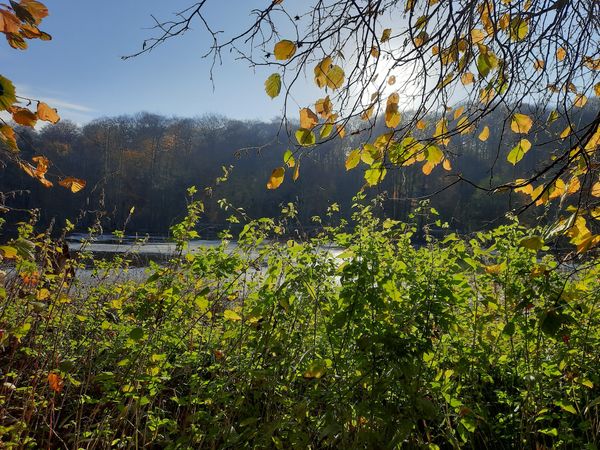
231 315
596 189
8 252
441 132
44 112
321 71
594 141
597 89
335 77
485 134
421 125
296 171
521 123
446 165
73 184
459 112
464 127
477 35
341 131
276 178
284 50
427 168
494 269
392 115
487 95
324 107
558 189
385 36
574 186
566 132
367 113
580 100
467 78
308 119
561 53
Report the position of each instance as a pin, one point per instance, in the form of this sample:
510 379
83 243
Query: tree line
147 161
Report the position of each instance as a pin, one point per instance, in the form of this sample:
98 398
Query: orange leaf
9 23
24 117
324 107
56 382
42 165
46 113
276 178
74 184
7 135
308 119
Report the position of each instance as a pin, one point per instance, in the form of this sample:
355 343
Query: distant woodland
147 161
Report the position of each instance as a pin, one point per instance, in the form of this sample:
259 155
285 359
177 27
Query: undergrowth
358 339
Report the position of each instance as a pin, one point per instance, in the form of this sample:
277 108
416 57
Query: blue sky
81 72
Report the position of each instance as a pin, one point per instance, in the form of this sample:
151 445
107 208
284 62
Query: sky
81 72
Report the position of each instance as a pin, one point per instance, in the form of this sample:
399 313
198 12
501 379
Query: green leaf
434 154
532 243
519 151
509 329
353 159
485 63
273 85
305 138
288 158
550 432
136 334
518 29
7 93
568 407
375 174
551 322
326 130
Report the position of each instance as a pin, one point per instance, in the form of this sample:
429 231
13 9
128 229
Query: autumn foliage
20 22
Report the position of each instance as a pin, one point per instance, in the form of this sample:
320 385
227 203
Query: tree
20 22
432 71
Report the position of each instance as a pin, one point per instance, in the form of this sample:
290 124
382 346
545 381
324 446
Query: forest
147 162
405 256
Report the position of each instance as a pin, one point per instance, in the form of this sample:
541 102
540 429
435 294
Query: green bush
358 339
